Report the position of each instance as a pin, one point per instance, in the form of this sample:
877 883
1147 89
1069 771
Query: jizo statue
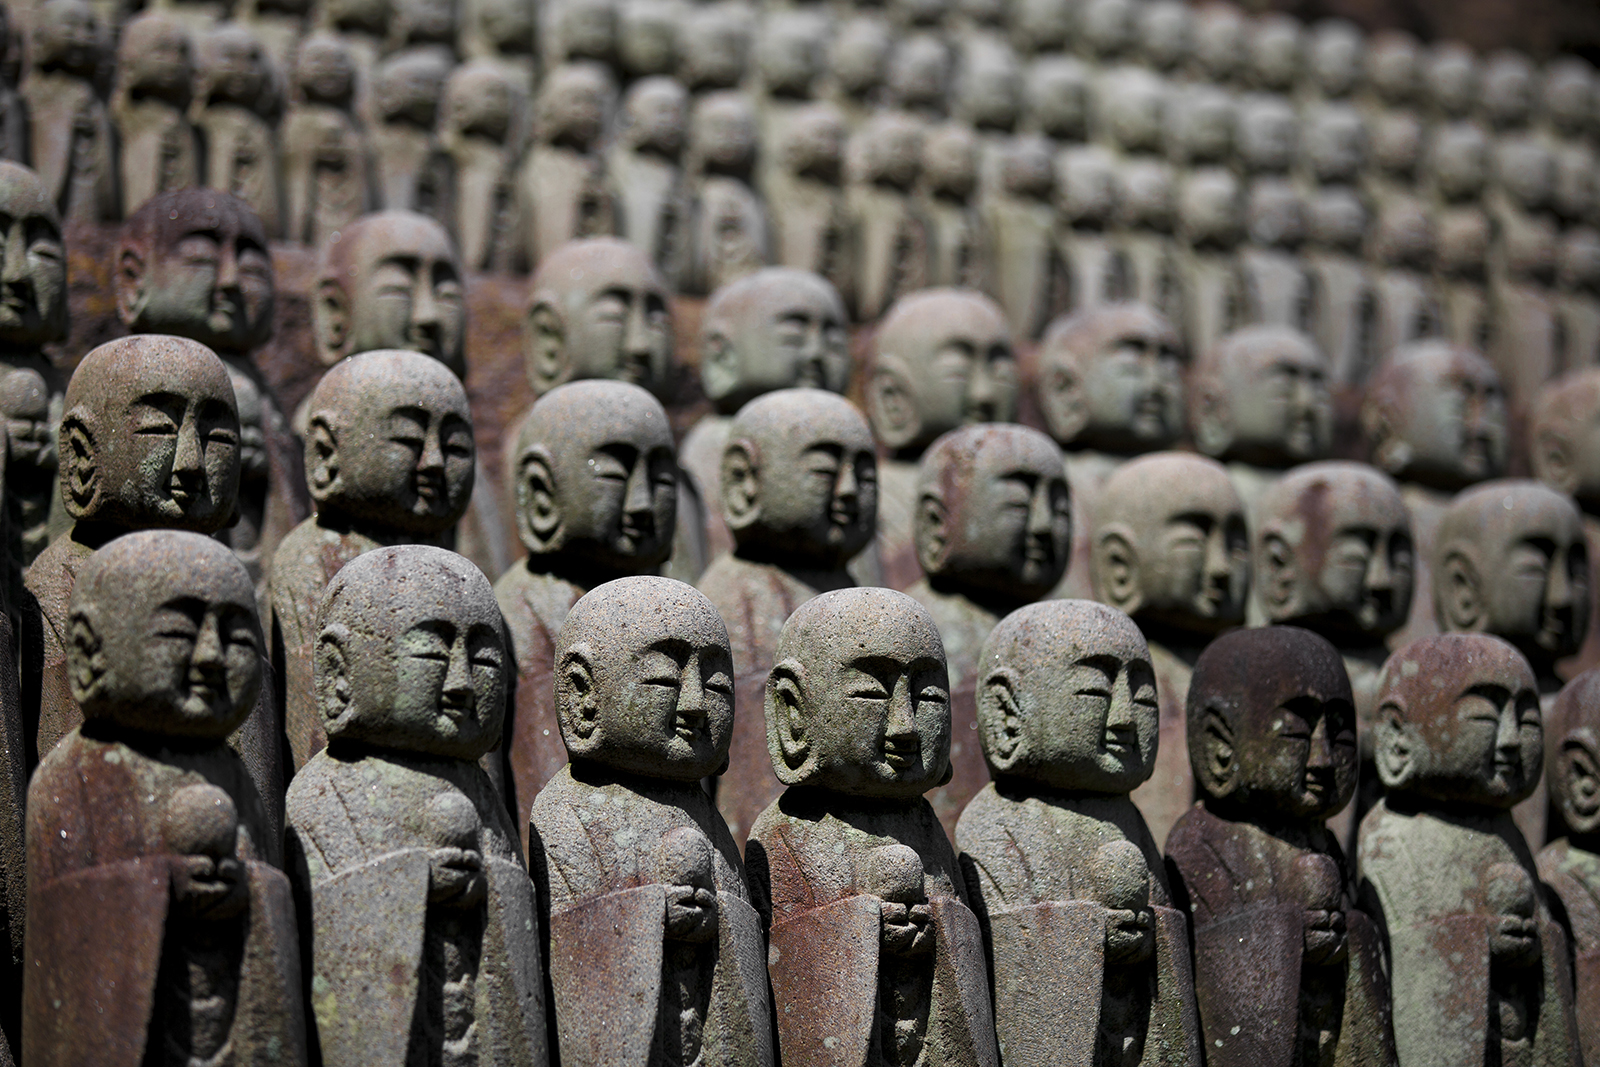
625 841
1089 954
876 955
1146 203
1277 288
1478 966
1404 248
800 496
238 101
993 533
957 244
858 60
327 155
775 329
1343 315
1170 548
412 170
195 263
1570 864
647 38
596 499
158 148
728 233
1578 295
1210 226
804 190
15 757
424 936
1336 53
71 137
144 818
481 128
561 187
1087 190
886 242
1565 103
714 46
1272 739
942 359
1451 80
644 167
390 460
1026 269
1458 167
30 471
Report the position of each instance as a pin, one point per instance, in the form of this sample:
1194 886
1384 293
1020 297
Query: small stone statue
1566 102
1259 401
1146 202
1086 198
942 359
1508 91
728 234
1524 345
579 31
800 495
988 94
1170 548
1344 311
858 60
804 191
504 32
71 141
1570 864
1558 440
1058 98
480 129
363 27
157 147
211 248
791 54
993 533
1404 247
626 842
1110 387
920 76
280 26
327 156
31 484
875 955
1210 225
413 170
1220 49
238 100
647 38
1277 288
1458 166
1578 296
143 821
390 460
1164 36
1027 275
957 244
775 329
1272 738
596 499
1478 966
561 186
1335 58
886 234
1089 955
644 168
423 933
13 117
714 46
1452 81
1201 126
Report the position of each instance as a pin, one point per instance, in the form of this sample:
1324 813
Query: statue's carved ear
1277 572
80 466
787 739
719 364
322 457
330 321
1211 417
1578 786
1553 461
1063 401
1390 452
931 534
578 701
544 348
132 296
741 484
85 658
1116 569
1000 720
1394 747
331 675
1218 768
892 406
1458 593
538 514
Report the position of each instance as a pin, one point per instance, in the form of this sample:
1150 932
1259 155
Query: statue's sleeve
1174 1016
510 966
367 931
962 1013
1366 1036
1439 978
824 968
1049 964
605 971
269 1025
1556 1043
739 1030
1584 916
1247 983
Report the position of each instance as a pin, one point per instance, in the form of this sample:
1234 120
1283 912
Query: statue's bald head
1435 413
36 313
1111 377
778 328
1565 436
1261 396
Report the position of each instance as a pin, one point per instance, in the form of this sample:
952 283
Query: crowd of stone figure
861 724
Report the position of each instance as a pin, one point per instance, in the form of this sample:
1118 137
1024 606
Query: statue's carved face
618 325
795 338
1336 58
659 118
235 65
325 71
1296 751
1336 144
25 406
1267 132
1393 69
959 369
648 38
1132 389
156 58
725 132
209 276
407 293
1278 399
67 36
508 24
1201 565
33 273
1453 419
1452 79
253 461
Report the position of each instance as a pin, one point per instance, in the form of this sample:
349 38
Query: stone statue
561 186
958 254
1508 90
157 147
1336 55
1110 386
596 499
1146 203
1170 548
390 460
1106 30
505 32
714 46
1333 145
1058 98
15 757
1524 345
1220 49
1201 123
647 38
993 533
1343 303
644 168
1275 53
238 101
804 192
13 114
1452 81
420 25
71 138
1164 37
280 26
858 62
195 263
1458 169
327 156
1565 107
775 329
1563 458
481 131
988 94
1404 247
30 469
412 168
1260 402
920 73
423 932
579 31
1272 738
1478 966
626 841
942 358
1026 272
144 821
1089 955
363 27
1210 226
876 956
887 234
1277 287
791 54
800 495
1569 865
1578 296
728 228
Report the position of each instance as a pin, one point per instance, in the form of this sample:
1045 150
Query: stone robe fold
1574 875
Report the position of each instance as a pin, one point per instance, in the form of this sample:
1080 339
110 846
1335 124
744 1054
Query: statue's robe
887 241
327 171
1343 313
14 761
652 209
359 845
596 860
963 628
1422 878
728 232
243 158
1249 942
72 145
1574 875
157 149
1026 856
100 896
1028 267
561 195
809 858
